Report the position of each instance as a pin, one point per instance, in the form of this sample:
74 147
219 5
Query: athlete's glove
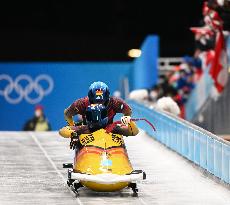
125 120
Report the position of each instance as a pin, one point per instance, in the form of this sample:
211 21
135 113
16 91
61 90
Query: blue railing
194 143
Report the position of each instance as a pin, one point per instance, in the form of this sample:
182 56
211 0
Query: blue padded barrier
203 151
194 143
217 158
225 163
210 155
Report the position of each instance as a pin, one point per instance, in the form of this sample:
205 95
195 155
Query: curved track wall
194 143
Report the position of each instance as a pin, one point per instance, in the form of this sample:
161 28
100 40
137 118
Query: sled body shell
101 153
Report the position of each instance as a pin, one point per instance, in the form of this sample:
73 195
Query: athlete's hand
125 120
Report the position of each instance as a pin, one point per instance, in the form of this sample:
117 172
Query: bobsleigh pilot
98 94
97 118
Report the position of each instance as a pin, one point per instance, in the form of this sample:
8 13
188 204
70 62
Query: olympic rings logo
33 91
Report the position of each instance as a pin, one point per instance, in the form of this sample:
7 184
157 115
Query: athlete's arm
78 107
121 106
130 130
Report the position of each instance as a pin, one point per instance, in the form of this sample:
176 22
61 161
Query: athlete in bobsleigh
98 94
97 118
101 161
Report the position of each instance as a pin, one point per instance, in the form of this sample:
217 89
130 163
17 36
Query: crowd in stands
181 80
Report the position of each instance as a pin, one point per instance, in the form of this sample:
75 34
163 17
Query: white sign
32 86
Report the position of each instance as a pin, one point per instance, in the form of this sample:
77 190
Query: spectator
38 122
139 95
117 94
178 83
169 105
164 87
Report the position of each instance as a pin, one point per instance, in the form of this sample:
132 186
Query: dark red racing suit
115 105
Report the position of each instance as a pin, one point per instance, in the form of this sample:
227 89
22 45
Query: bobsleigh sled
101 163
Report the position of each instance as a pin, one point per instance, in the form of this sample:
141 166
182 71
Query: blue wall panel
225 163
197 145
146 66
70 81
203 151
210 155
179 138
184 142
217 158
190 145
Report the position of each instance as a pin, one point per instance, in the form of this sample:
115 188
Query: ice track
31 173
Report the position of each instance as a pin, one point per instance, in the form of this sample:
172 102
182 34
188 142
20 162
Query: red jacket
115 105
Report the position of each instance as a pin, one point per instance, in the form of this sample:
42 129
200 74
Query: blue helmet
96 116
98 93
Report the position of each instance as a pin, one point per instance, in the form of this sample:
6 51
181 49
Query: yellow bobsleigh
101 163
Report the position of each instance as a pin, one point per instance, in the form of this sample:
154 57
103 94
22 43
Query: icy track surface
31 173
